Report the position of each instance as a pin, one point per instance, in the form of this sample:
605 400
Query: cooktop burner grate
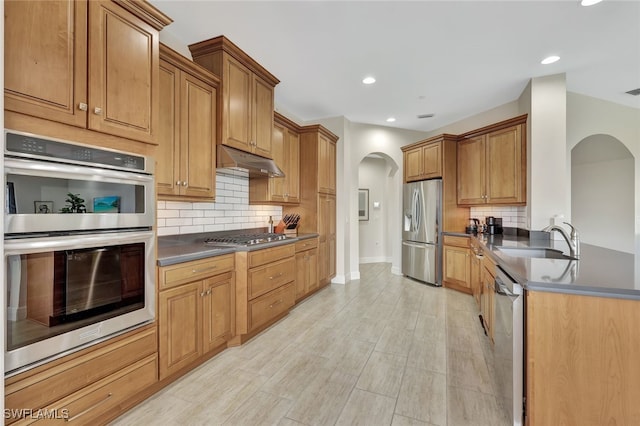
245 239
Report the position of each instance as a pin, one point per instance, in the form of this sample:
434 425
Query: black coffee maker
493 225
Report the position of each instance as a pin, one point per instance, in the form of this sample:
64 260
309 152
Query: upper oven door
42 196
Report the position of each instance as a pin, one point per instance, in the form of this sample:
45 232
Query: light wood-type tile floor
382 350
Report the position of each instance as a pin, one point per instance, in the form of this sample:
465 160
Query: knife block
291 231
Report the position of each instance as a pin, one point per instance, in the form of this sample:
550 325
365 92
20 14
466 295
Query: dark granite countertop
174 249
598 272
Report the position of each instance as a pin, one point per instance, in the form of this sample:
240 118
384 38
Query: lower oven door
68 292
508 347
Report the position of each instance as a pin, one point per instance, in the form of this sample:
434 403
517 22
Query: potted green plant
75 204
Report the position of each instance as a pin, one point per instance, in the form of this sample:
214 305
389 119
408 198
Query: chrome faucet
573 240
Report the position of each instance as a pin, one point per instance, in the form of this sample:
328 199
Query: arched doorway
379 207
603 192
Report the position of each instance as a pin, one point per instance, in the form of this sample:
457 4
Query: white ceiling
450 58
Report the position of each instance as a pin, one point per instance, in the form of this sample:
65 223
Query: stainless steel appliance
421 233
235 240
79 246
508 350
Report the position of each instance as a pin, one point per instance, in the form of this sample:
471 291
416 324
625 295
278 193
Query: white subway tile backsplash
512 216
230 211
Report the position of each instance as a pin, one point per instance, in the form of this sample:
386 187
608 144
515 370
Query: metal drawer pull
275 303
70 419
97 111
276 276
197 271
83 107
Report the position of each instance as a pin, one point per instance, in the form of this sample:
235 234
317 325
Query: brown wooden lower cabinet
456 270
195 317
306 268
91 386
487 295
265 289
582 360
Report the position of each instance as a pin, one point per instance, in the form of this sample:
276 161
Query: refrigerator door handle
418 210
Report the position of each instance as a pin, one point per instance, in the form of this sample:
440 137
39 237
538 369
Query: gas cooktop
245 239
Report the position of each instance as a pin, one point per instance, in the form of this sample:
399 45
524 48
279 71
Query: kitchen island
581 331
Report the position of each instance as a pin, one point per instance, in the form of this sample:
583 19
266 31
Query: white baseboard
395 270
339 279
377 259
354 275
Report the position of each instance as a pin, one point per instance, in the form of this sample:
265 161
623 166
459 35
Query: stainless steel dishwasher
508 349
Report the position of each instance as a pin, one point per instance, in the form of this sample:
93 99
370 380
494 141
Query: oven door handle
74 241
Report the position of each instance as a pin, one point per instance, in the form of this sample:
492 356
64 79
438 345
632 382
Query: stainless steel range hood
231 158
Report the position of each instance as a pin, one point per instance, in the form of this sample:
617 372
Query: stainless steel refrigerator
421 233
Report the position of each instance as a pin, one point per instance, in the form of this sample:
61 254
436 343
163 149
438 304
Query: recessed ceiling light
589 2
550 59
368 80
391 119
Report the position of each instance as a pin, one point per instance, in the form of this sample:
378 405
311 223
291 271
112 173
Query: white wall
484 118
602 203
547 161
587 116
373 243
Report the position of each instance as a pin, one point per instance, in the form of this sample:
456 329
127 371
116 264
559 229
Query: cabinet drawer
260 257
40 390
87 405
170 276
306 244
270 305
452 240
269 277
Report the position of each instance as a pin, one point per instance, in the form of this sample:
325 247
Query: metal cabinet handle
276 276
97 404
184 183
82 106
178 182
275 303
197 271
97 111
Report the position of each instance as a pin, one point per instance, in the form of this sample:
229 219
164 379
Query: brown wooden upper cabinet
246 111
285 150
90 64
492 164
423 161
186 151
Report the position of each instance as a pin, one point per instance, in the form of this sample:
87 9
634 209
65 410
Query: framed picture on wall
363 204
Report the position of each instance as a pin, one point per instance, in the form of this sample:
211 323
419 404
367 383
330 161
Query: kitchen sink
542 253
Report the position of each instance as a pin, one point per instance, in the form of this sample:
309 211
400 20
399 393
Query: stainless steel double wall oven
79 246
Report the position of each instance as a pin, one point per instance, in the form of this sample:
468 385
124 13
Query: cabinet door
413 165
45 70
475 278
331 236
471 171
432 160
323 231
168 178
197 136
236 122
326 165
180 327
506 167
217 311
292 192
262 124
312 269
457 269
278 148
123 79
301 274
